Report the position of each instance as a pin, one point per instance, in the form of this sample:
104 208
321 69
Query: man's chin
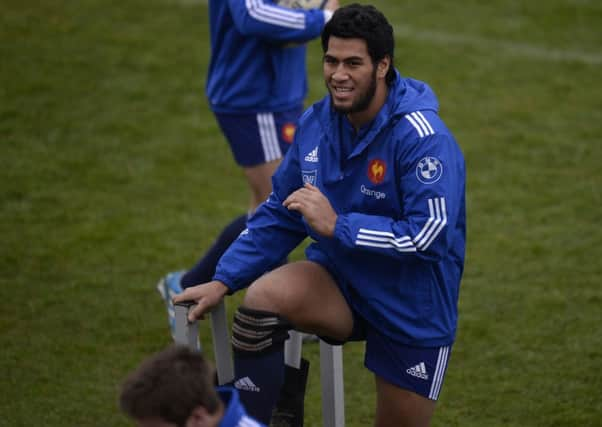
345 110
340 108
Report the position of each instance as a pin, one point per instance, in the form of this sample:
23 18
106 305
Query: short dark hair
169 385
367 23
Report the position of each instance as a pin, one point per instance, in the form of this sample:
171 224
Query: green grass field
113 172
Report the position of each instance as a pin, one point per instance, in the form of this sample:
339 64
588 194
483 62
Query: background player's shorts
259 138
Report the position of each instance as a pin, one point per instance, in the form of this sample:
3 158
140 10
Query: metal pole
331 376
187 333
221 344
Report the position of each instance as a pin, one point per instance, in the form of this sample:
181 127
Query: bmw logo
429 170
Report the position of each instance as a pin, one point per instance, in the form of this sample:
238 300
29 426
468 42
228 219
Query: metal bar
221 344
186 333
331 358
331 376
292 349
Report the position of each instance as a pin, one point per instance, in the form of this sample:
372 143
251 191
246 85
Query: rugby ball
302 4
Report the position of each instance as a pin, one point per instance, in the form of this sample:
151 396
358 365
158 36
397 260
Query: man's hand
206 295
315 208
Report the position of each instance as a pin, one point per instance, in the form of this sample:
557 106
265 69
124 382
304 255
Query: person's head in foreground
172 388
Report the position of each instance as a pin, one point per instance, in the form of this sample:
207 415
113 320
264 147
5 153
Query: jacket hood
408 95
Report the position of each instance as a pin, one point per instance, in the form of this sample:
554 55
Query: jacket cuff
341 230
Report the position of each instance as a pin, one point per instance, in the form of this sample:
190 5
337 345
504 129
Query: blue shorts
259 137
418 369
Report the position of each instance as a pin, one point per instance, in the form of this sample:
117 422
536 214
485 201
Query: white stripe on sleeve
418 128
420 123
425 237
426 122
424 128
270 14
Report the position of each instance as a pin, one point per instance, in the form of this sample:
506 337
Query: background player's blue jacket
398 246
257 56
235 414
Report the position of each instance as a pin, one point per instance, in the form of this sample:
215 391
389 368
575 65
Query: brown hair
168 386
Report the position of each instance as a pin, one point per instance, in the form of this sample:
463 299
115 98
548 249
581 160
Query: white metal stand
331 358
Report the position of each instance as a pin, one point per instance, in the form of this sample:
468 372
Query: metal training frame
331 358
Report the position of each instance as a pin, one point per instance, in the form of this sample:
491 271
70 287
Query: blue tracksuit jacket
235 414
398 246
257 55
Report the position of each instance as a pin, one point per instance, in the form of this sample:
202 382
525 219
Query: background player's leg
204 269
259 180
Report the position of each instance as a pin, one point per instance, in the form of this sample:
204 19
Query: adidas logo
418 371
246 384
312 156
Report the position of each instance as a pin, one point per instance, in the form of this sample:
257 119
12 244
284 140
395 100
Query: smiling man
352 80
376 179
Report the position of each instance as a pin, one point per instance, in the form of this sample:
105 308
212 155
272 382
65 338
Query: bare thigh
306 294
396 407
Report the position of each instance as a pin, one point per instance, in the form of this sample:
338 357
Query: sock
258 342
204 269
259 380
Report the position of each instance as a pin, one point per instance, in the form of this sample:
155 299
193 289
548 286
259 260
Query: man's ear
383 67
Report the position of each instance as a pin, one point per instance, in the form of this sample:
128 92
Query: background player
256 86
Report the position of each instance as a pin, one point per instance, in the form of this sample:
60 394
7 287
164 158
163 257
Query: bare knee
260 297
299 291
270 293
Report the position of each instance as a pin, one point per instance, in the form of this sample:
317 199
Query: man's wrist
222 287
224 282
